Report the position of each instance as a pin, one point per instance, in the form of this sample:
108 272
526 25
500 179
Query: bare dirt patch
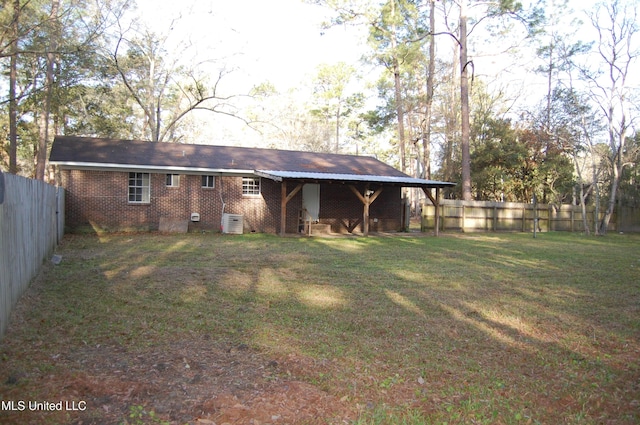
189 381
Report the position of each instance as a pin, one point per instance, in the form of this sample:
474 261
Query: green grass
488 328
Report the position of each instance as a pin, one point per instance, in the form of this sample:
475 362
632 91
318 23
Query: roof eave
92 166
272 175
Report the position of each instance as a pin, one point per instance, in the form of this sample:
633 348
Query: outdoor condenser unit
232 223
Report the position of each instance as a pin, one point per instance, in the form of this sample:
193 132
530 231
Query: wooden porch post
365 214
437 211
283 207
436 203
367 200
284 200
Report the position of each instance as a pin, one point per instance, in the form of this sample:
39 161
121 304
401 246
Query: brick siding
340 207
98 200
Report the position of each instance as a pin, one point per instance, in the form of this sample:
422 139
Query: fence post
495 218
572 218
464 217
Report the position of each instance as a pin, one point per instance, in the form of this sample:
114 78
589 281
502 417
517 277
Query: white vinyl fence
31 225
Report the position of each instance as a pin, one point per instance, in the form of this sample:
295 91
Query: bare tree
164 87
617 26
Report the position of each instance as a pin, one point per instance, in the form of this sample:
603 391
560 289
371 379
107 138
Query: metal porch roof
336 177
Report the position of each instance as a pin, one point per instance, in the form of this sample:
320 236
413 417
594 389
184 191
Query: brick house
135 185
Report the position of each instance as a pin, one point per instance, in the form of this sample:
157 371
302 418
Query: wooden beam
284 200
427 192
366 199
375 195
294 191
358 194
351 225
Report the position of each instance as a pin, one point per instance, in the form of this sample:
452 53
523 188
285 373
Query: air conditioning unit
233 224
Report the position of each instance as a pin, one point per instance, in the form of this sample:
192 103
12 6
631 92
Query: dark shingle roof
83 150
99 153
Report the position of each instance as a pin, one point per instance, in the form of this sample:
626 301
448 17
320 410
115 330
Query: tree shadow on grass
461 329
478 327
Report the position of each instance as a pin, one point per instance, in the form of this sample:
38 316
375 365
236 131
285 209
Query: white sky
276 40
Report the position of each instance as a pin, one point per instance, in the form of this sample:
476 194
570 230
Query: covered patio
366 188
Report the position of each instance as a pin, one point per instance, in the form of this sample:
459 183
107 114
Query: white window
139 188
208 181
250 186
173 180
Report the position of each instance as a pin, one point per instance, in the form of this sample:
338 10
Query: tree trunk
581 194
338 128
611 203
398 92
583 209
41 159
426 142
617 146
596 228
13 103
464 102
452 127
400 114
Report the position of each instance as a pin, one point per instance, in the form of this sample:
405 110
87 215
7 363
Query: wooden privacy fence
478 216
31 225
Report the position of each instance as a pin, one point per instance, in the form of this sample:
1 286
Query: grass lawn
460 329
